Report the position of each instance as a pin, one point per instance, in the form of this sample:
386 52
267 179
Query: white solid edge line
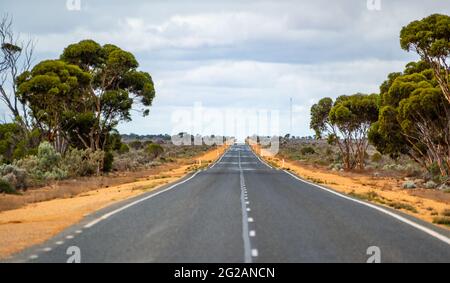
387 212
263 162
220 159
109 214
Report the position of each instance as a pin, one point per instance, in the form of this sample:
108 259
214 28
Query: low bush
376 157
124 148
154 150
136 145
6 187
446 212
44 166
442 220
14 175
307 150
430 185
79 162
108 161
409 185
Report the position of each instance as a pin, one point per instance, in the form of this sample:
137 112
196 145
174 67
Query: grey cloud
235 53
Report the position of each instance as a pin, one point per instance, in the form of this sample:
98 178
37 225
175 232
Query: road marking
220 159
107 215
247 203
33 257
254 253
47 249
263 162
59 243
387 212
252 233
248 209
79 231
250 219
245 235
69 237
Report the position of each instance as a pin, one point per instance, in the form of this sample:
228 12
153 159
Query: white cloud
262 85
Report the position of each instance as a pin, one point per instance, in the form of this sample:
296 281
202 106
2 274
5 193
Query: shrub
329 152
154 150
44 166
434 169
131 161
48 158
6 187
136 145
307 150
108 161
446 212
430 185
79 162
14 175
442 220
409 185
125 163
124 148
376 157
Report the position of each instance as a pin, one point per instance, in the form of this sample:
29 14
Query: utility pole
290 118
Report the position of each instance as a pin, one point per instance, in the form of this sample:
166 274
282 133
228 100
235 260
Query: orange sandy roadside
386 188
38 222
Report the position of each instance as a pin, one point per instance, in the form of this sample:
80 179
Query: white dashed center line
245 203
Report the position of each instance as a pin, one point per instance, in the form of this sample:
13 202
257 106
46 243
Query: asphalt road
242 210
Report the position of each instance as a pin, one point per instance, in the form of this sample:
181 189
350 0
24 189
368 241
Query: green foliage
319 116
117 83
124 148
430 38
154 150
16 142
44 166
376 157
6 187
82 97
108 161
53 90
307 150
350 113
136 145
346 122
15 176
82 162
414 118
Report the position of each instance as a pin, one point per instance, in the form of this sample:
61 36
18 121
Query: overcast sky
235 54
